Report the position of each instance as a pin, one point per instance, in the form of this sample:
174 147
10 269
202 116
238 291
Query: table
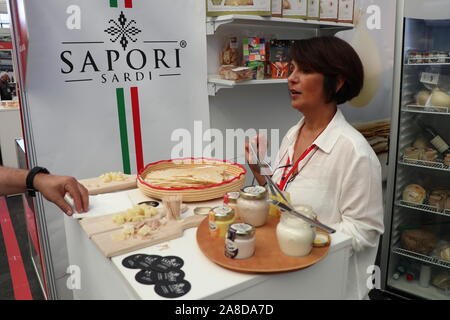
103 278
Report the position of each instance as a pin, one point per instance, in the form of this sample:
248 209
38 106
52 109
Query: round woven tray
193 194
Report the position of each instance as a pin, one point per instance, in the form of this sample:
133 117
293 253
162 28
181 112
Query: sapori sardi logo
124 57
123 29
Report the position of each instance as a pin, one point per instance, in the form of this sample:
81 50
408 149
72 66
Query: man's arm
52 187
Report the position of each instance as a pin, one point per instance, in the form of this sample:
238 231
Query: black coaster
172 276
168 263
131 262
145 277
173 290
145 262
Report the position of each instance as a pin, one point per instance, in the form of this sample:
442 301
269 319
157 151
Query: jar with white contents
296 236
240 242
253 206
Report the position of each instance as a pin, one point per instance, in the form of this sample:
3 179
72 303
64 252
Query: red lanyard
285 178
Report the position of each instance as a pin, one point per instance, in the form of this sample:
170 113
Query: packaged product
279 58
329 10
415 194
230 54
419 240
255 55
295 9
237 74
313 10
346 8
277 8
252 7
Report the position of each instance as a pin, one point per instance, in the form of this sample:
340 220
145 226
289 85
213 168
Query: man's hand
54 188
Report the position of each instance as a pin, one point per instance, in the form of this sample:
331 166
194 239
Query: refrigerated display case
416 244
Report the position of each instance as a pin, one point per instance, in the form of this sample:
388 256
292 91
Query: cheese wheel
440 99
414 193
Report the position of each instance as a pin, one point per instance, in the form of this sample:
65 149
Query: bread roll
412 153
414 193
421 142
444 253
429 154
436 200
419 240
447 160
442 280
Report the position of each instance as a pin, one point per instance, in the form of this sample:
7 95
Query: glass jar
220 219
240 241
230 199
443 57
295 236
253 206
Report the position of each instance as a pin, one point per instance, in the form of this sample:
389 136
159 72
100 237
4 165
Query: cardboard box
346 10
277 8
297 9
313 9
225 7
329 10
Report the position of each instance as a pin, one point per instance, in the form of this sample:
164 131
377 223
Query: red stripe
137 128
244 171
283 183
31 225
128 3
19 278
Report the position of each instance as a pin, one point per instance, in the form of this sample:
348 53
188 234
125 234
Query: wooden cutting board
97 186
268 257
100 224
111 247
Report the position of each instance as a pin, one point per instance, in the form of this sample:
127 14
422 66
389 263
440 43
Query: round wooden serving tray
268 257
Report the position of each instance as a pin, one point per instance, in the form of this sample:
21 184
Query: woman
323 161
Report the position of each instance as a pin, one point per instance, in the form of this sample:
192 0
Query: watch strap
30 179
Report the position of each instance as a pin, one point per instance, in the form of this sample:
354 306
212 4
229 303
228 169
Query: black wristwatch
30 179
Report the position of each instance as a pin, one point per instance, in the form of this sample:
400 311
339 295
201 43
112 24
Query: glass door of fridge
419 257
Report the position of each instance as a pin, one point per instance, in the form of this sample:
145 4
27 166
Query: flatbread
185 177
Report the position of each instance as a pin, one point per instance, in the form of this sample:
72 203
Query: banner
105 84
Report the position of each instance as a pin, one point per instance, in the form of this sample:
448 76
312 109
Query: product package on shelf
230 56
313 10
279 59
277 8
255 56
297 9
237 74
225 7
346 10
329 10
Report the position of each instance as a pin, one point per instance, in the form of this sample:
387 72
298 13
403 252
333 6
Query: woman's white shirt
341 180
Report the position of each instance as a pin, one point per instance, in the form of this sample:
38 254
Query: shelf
423 208
215 83
214 23
424 164
423 63
414 288
421 257
422 109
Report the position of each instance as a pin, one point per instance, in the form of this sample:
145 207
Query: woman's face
305 88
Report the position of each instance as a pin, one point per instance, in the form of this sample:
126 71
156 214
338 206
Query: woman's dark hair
331 57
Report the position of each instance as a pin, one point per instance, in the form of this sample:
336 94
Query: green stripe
123 130
113 3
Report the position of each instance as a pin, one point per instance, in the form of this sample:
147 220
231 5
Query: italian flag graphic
122 103
115 3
